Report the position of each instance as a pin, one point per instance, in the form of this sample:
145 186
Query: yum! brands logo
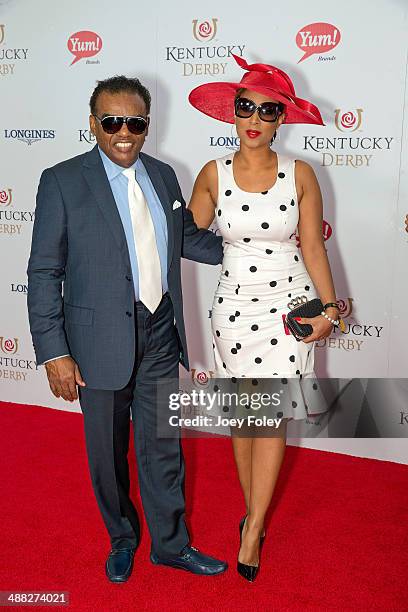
327 231
6 197
348 121
9 346
84 44
204 31
317 38
204 59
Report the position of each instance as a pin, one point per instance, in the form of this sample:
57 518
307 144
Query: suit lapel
163 195
98 182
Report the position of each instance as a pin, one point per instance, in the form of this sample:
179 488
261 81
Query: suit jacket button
129 278
129 314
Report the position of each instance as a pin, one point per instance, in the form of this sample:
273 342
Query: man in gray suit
106 317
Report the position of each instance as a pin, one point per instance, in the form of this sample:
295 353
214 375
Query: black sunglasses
267 111
113 124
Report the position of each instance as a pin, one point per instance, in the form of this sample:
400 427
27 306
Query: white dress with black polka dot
262 270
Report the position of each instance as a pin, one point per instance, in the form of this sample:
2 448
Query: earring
274 136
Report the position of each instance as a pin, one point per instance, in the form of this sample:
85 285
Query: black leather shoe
192 560
119 564
249 572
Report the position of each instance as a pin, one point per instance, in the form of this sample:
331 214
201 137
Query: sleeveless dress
262 271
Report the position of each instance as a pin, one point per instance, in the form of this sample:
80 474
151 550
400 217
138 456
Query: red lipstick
253 133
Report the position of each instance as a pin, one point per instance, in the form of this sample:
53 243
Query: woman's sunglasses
267 111
113 124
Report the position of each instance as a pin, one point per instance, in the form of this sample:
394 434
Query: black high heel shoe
249 572
241 526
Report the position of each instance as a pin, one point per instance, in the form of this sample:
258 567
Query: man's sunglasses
113 124
267 111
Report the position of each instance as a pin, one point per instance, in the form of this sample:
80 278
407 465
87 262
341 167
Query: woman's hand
321 327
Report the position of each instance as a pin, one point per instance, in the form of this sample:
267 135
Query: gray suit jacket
80 289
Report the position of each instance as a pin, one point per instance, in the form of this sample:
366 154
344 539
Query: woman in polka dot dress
259 198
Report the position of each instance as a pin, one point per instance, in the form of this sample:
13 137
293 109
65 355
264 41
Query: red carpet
336 534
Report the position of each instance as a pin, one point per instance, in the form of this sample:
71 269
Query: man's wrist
53 359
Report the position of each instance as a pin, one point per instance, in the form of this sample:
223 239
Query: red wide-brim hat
217 99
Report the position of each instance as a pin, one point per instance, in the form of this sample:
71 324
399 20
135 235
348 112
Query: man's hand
64 375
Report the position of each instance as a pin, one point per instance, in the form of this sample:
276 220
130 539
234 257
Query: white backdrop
358 80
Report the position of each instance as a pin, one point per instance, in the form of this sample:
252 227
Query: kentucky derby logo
9 56
317 38
204 31
84 44
208 59
348 121
86 136
8 345
345 307
353 335
201 378
6 197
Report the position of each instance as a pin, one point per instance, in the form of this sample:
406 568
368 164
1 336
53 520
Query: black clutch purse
301 307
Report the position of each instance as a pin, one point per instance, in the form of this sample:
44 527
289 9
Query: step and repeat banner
349 61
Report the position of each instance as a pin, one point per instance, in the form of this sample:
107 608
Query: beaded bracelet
331 305
333 321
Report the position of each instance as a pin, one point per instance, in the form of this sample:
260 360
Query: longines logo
205 59
86 136
348 121
20 288
29 136
9 56
228 142
316 39
340 150
204 31
13 367
6 197
84 44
